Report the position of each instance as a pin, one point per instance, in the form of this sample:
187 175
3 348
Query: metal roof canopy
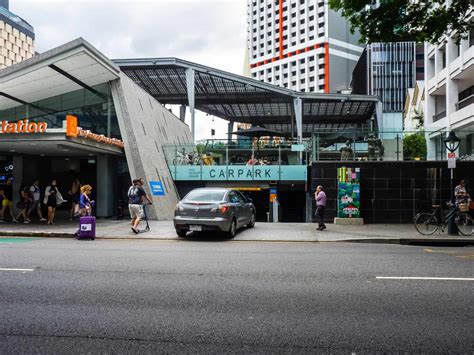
239 99
72 66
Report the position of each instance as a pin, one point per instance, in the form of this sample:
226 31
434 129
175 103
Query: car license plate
195 228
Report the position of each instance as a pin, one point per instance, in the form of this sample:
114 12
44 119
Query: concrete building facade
301 45
388 70
449 99
17 37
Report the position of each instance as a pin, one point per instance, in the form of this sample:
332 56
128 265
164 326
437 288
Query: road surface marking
424 278
22 270
17 240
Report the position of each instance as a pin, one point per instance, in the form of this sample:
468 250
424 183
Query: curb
410 241
394 241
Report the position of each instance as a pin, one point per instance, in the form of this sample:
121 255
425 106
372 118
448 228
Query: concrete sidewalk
270 232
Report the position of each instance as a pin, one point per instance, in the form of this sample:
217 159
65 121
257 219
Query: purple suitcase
86 228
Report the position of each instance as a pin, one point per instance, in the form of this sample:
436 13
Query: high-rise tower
301 45
16 37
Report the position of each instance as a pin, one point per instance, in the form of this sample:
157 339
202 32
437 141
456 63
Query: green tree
414 146
404 20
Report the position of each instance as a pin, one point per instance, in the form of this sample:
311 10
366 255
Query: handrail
439 116
465 102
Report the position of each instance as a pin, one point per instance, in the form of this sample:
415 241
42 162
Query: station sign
23 126
239 173
74 131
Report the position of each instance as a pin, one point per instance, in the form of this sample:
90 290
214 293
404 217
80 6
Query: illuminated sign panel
74 131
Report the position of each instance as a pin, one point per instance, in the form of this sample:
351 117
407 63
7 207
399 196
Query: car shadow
209 236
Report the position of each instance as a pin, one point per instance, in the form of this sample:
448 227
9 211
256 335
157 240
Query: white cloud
212 33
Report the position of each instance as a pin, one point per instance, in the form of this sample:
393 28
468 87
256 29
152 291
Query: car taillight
179 208
223 208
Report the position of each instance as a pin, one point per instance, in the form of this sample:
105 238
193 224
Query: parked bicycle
183 158
429 223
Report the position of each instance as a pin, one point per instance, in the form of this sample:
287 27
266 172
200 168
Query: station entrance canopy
236 98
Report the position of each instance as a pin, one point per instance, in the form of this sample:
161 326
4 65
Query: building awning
70 67
239 99
53 144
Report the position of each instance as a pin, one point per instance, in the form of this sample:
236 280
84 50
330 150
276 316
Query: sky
212 33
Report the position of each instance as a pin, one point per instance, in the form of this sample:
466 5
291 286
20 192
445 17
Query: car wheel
252 221
232 229
181 233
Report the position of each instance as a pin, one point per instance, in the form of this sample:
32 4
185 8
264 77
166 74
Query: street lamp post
451 142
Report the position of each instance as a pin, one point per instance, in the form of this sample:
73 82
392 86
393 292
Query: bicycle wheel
464 223
426 223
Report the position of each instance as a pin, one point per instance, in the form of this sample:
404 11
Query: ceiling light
12 150
42 155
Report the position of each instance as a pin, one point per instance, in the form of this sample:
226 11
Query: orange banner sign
73 130
71 126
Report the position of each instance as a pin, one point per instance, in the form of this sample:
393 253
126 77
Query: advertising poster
348 194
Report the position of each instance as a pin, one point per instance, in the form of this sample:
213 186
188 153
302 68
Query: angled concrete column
191 99
298 104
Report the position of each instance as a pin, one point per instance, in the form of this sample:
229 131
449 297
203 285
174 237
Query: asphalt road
223 296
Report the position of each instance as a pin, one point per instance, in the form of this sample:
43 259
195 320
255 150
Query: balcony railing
465 102
439 116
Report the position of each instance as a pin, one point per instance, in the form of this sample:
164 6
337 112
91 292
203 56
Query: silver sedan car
213 209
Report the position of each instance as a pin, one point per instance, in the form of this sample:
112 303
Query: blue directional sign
157 188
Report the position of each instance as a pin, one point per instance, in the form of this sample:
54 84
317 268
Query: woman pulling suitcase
86 221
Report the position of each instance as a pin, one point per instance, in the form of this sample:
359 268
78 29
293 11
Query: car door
237 205
246 208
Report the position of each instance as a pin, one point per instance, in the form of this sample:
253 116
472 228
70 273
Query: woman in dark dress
50 199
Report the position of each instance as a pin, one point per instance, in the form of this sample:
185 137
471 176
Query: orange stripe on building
326 68
281 29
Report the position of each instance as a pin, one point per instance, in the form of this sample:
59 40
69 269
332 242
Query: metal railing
465 102
439 116
239 152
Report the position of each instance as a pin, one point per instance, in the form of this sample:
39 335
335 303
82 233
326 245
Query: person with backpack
136 197
35 196
24 204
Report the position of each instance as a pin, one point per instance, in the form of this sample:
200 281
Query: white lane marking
22 270
424 278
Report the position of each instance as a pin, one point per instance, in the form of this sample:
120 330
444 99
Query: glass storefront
95 112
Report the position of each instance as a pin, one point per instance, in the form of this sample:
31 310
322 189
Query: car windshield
205 195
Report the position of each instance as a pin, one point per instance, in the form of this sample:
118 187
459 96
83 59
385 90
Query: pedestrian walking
136 198
52 199
35 196
320 197
7 200
74 193
24 204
